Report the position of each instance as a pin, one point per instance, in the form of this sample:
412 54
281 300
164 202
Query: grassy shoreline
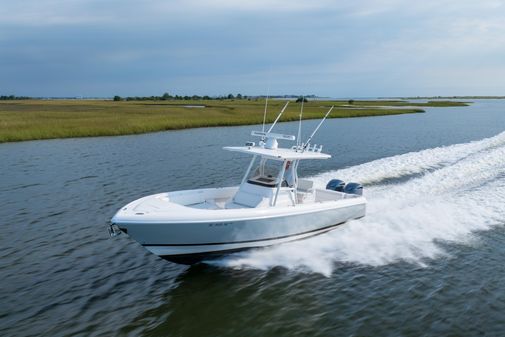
22 120
452 97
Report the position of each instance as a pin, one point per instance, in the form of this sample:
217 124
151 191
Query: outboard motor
336 185
353 188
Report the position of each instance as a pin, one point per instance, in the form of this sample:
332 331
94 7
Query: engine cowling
353 188
336 185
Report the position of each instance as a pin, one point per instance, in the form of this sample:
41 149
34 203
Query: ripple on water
431 263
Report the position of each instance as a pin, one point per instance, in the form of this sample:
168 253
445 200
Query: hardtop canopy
279 153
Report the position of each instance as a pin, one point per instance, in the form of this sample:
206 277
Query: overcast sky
359 48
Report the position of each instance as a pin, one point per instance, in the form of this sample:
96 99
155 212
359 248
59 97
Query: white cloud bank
361 48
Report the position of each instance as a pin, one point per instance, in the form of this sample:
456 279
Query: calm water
427 260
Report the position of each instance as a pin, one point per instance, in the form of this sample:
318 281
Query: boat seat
305 186
304 192
247 199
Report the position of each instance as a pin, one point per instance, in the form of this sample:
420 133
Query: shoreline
25 120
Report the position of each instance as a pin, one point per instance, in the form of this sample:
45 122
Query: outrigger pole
307 143
265 114
266 100
298 138
267 134
278 116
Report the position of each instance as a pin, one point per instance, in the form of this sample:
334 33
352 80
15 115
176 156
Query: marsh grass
45 119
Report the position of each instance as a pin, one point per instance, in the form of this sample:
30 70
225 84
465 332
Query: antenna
265 113
278 116
266 101
317 128
300 125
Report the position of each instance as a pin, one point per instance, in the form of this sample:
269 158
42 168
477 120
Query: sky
360 48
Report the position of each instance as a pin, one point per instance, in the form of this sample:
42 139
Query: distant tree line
12 97
167 97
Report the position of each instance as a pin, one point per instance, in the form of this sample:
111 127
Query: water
427 259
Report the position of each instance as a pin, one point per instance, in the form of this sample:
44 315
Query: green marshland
34 119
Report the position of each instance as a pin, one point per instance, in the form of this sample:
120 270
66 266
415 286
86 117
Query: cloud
359 48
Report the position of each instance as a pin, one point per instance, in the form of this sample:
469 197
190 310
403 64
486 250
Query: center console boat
272 205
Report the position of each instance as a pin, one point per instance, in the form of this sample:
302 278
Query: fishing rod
278 116
298 138
263 134
265 113
307 143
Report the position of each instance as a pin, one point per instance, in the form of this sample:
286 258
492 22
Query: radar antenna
271 138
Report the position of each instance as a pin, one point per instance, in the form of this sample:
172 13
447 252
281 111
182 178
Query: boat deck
317 196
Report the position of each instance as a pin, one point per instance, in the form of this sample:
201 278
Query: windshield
265 173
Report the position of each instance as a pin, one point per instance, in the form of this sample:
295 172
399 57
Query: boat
272 205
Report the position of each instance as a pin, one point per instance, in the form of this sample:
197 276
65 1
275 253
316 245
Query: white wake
456 190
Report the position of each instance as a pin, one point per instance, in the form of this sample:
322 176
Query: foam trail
414 162
461 191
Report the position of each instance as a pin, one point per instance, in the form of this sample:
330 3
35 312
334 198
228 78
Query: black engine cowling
336 185
353 188
340 186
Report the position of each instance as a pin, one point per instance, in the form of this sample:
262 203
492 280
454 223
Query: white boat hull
194 253
181 238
